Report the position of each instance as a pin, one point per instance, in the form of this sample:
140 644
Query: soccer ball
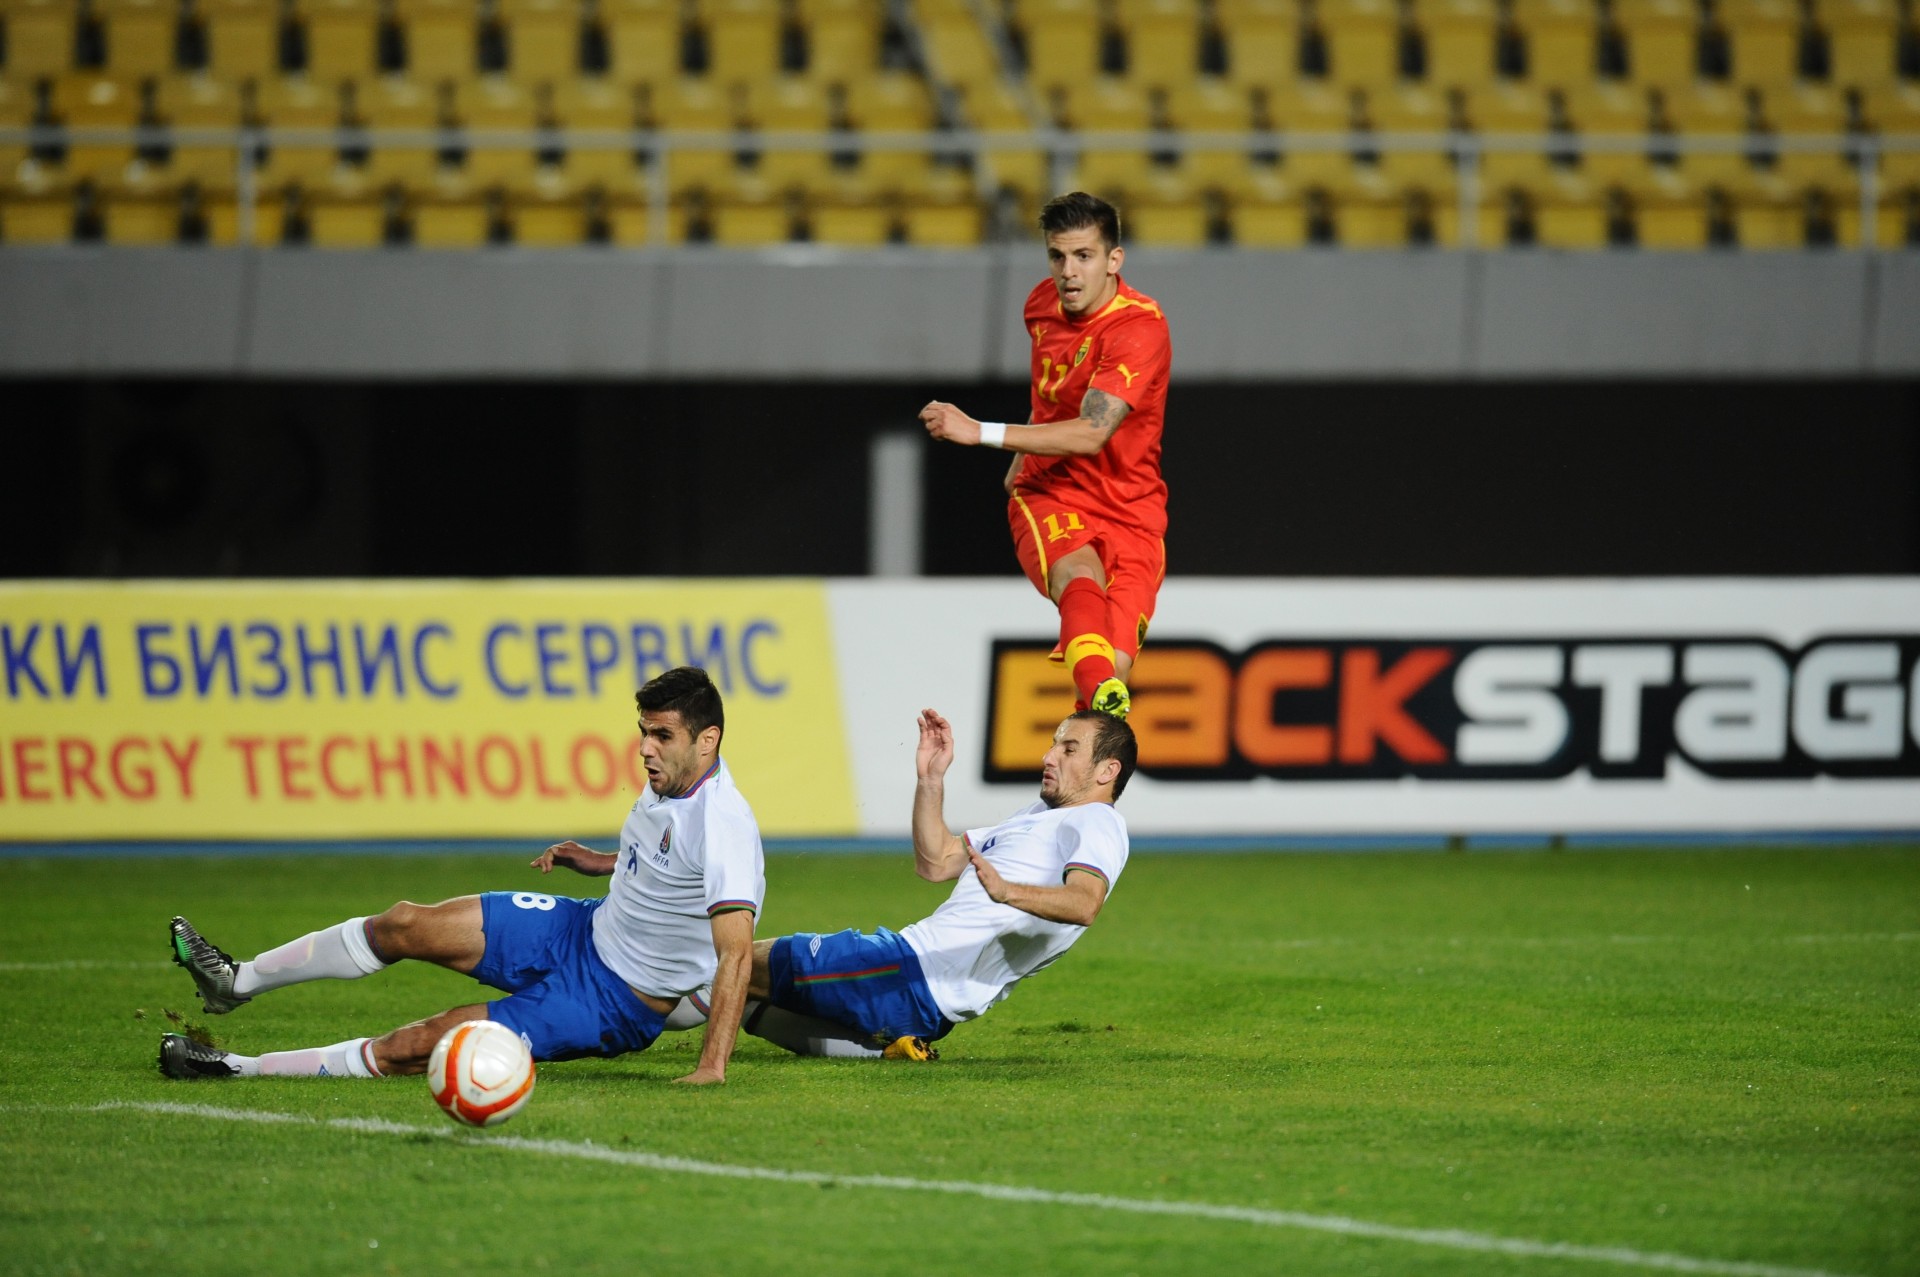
481 1073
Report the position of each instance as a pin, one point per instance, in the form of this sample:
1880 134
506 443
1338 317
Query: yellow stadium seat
442 38
1710 111
1569 211
141 209
843 38
497 103
1894 113
395 103
1171 224
297 103
139 35
891 102
602 106
346 211
453 213
36 206
790 104
752 216
1670 212
853 225
1763 40
1562 38
269 216
1895 222
630 220
243 38
1610 110
550 212
1411 109
543 39
1211 105
643 40
1662 40
1108 105
743 39
1516 109
1363 41
1461 39
1268 212
1807 112
1767 213
343 38
1314 109
40 37
959 51
941 225
200 102
16 112
1262 39
82 100
700 105
1863 39
1163 41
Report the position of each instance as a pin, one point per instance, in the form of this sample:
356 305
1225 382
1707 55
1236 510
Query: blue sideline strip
1278 842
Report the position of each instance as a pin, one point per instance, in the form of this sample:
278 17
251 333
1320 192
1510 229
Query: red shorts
1045 528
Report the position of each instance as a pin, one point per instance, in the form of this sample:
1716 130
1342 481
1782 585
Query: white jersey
682 861
972 950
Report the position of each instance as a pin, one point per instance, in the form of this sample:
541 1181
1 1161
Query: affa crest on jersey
666 845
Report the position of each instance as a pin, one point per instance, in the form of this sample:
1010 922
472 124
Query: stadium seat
1863 39
497 103
1763 40
1710 111
695 104
269 215
140 35
343 39
1895 224
396 103
346 210
1809 111
1062 42
1662 38
1567 210
243 38
1262 40
17 103
959 52
442 38
946 213
82 100
1768 213
790 104
1368 212
1267 212
891 102
453 212
1507 108
845 211
1313 108
1107 105
1601 110
1211 105
643 40
1461 39
542 38
297 103
1412 109
1894 112
752 214
1363 41
1166 213
743 39
40 37
602 106
1669 210
142 209
843 38
549 212
1562 40
36 205
1163 41
200 102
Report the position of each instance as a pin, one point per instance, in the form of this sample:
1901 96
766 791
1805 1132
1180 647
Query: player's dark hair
1076 210
687 691
1112 738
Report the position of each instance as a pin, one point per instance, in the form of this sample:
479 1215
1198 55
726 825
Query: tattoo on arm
1103 411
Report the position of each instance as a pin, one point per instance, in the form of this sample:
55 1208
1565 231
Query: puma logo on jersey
1128 373
1039 331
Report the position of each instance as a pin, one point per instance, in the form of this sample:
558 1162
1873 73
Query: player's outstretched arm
733 943
1082 436
581 859
939 855
1078 900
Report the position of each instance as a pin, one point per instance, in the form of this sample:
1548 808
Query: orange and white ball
481 1073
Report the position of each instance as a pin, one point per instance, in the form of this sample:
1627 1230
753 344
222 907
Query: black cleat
212 970
181 1057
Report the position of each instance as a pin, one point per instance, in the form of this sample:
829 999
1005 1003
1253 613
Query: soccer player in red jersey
1088 507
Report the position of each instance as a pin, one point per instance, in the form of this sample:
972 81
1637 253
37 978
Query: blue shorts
872 983
565 1001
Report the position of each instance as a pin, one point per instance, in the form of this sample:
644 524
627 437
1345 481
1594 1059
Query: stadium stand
1263 123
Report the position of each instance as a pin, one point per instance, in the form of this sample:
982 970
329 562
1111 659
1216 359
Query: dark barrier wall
275 478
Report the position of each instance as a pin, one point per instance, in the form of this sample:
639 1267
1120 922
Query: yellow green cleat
1111 698
910 1048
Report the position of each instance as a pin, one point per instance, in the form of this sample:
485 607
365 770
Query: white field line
81 964
1451 1238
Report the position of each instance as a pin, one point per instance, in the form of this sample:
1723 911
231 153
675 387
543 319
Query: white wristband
993 434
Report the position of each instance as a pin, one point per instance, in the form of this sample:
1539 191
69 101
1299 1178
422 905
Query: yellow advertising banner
433 709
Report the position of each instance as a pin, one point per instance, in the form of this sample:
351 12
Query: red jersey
1126 351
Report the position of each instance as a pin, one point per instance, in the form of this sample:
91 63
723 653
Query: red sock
1083 637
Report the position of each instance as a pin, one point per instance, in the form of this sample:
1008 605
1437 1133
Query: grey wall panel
119 310
1895 321
456 314
806 312
1760 314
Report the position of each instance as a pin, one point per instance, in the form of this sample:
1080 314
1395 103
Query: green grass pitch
1706 1054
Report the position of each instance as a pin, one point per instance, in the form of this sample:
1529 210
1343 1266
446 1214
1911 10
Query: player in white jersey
584 977
1027 889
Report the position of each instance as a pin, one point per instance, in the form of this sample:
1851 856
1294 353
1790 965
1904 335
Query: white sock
353 1058
337 953
806 1034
